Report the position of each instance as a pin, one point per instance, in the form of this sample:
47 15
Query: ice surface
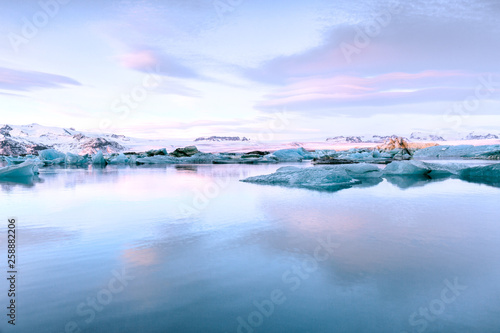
445 168
406 168
490 173
461 151
120 159
315 177
98 159
157 159
23 170
50 155
74 159
363 170
198 158
293 155
15 160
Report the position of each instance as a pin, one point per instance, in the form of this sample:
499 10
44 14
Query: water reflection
397 242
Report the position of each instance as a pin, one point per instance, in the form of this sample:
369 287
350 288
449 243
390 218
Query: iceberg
23 170
50 155
312 178
74 159
461 151
157 159
445 169
198 158
488 174
406 168
363 170
292 155
98 159
120 159
15 160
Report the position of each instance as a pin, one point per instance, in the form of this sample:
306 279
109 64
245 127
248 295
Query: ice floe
461 151
406 168
119 159
23 170
403 174
315 178
74 159
98 159
489 173
292 155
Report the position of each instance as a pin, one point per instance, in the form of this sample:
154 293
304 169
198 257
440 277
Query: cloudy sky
297 69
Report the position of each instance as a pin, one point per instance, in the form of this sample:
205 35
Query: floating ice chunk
120 159
362 170
157 159
50 155
74 159
442 169
98 159
15 160
315 178
323 153
490 173
362 156
461 151
55 161
406 168
199 158
23 170
288 168
292 155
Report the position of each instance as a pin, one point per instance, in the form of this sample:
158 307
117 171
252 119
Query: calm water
192 249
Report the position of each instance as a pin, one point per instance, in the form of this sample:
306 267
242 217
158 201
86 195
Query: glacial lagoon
190 248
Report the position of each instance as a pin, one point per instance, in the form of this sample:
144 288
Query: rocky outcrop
92 145
185 152
11 147
34 149
79 136
488 136
5 130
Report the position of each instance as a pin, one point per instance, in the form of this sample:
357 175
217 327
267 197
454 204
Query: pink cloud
387 89
139 60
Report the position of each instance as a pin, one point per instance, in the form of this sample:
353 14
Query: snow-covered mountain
221 138
362 139
29 139
413 137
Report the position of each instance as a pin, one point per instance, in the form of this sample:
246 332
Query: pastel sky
296 69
